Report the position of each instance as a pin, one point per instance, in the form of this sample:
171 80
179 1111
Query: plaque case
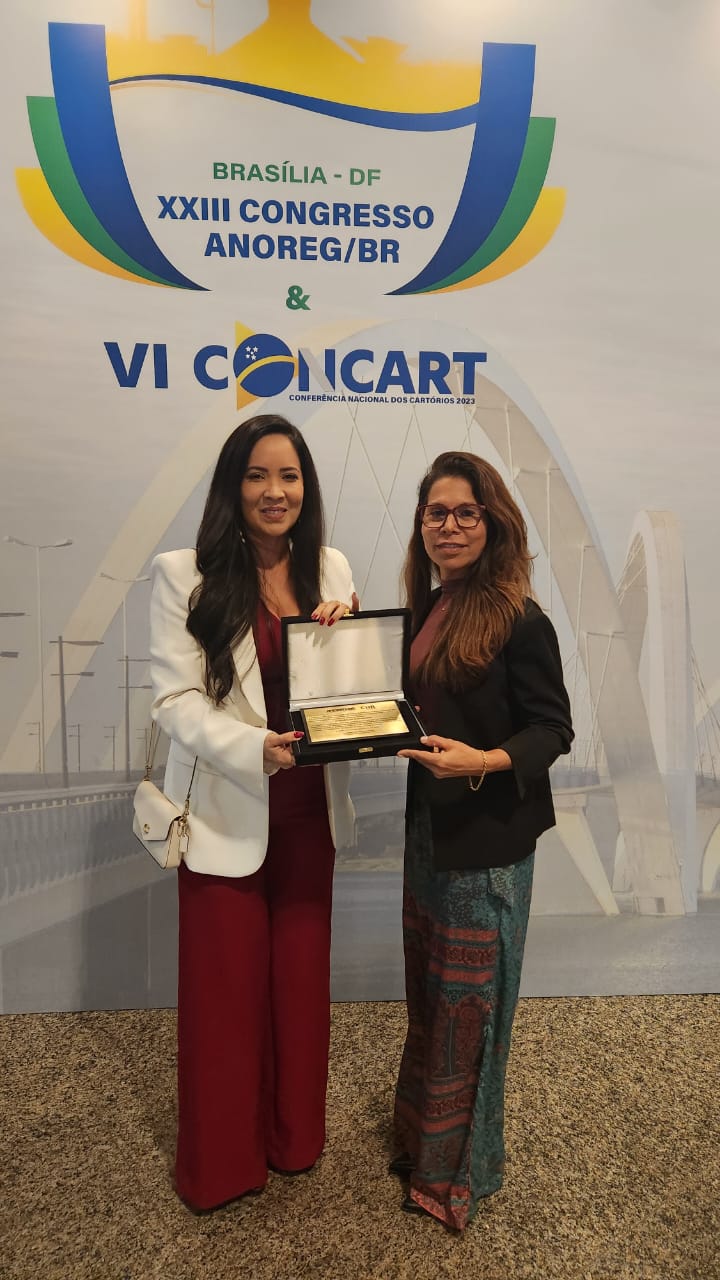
362 660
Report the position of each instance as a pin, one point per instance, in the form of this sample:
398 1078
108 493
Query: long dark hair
476 628
225 601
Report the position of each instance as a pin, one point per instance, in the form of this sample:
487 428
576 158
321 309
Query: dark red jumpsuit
254 989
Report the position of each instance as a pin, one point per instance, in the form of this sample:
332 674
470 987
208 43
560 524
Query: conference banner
406 228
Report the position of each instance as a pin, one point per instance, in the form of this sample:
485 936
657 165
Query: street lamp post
111 735
34 732
37 547
33 725
126 662
136 686
62 673
76 734
143 736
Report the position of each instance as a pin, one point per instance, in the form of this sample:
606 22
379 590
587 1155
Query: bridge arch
710 869
653 600
505 414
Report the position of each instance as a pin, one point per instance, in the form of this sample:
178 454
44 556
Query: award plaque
346 686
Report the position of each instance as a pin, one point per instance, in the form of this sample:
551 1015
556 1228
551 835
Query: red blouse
294 793
422 694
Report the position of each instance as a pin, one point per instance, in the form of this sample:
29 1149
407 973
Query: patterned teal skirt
464 936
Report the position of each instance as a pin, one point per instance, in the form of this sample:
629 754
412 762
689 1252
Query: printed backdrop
408 228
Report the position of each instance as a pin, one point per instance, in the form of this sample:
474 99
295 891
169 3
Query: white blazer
229 800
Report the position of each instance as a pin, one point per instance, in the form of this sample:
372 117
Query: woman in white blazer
255 886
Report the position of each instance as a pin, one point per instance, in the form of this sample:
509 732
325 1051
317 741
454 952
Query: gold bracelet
475 785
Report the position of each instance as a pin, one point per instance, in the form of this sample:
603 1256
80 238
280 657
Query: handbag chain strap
150 760
186 807
151 749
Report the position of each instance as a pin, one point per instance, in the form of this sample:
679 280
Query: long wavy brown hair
496 586
225 601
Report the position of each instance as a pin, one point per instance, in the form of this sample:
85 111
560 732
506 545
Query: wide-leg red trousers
254 1016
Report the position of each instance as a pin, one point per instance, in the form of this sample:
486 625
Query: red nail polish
330 623
298 735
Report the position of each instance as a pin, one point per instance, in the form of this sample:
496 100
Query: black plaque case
364 657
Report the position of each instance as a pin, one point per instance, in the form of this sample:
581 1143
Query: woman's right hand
277 751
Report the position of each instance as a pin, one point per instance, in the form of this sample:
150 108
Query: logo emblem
264 365
82 200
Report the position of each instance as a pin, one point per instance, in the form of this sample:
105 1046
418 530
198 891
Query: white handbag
162 828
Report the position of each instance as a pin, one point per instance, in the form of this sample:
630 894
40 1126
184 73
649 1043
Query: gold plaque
356 720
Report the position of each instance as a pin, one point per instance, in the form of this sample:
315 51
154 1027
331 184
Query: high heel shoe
401 1165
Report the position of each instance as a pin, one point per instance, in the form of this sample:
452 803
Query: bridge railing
48 837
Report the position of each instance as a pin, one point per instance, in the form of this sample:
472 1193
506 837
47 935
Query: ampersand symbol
296 299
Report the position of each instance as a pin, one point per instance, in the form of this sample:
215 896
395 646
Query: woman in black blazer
486 671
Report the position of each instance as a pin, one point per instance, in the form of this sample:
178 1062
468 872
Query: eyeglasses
467 516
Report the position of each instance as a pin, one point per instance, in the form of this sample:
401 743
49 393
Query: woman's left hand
330 611
448 757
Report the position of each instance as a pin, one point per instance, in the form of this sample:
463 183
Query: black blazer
521 705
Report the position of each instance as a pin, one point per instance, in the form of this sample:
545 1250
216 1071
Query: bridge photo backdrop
408 228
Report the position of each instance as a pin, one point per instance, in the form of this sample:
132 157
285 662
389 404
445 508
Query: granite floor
613 1120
